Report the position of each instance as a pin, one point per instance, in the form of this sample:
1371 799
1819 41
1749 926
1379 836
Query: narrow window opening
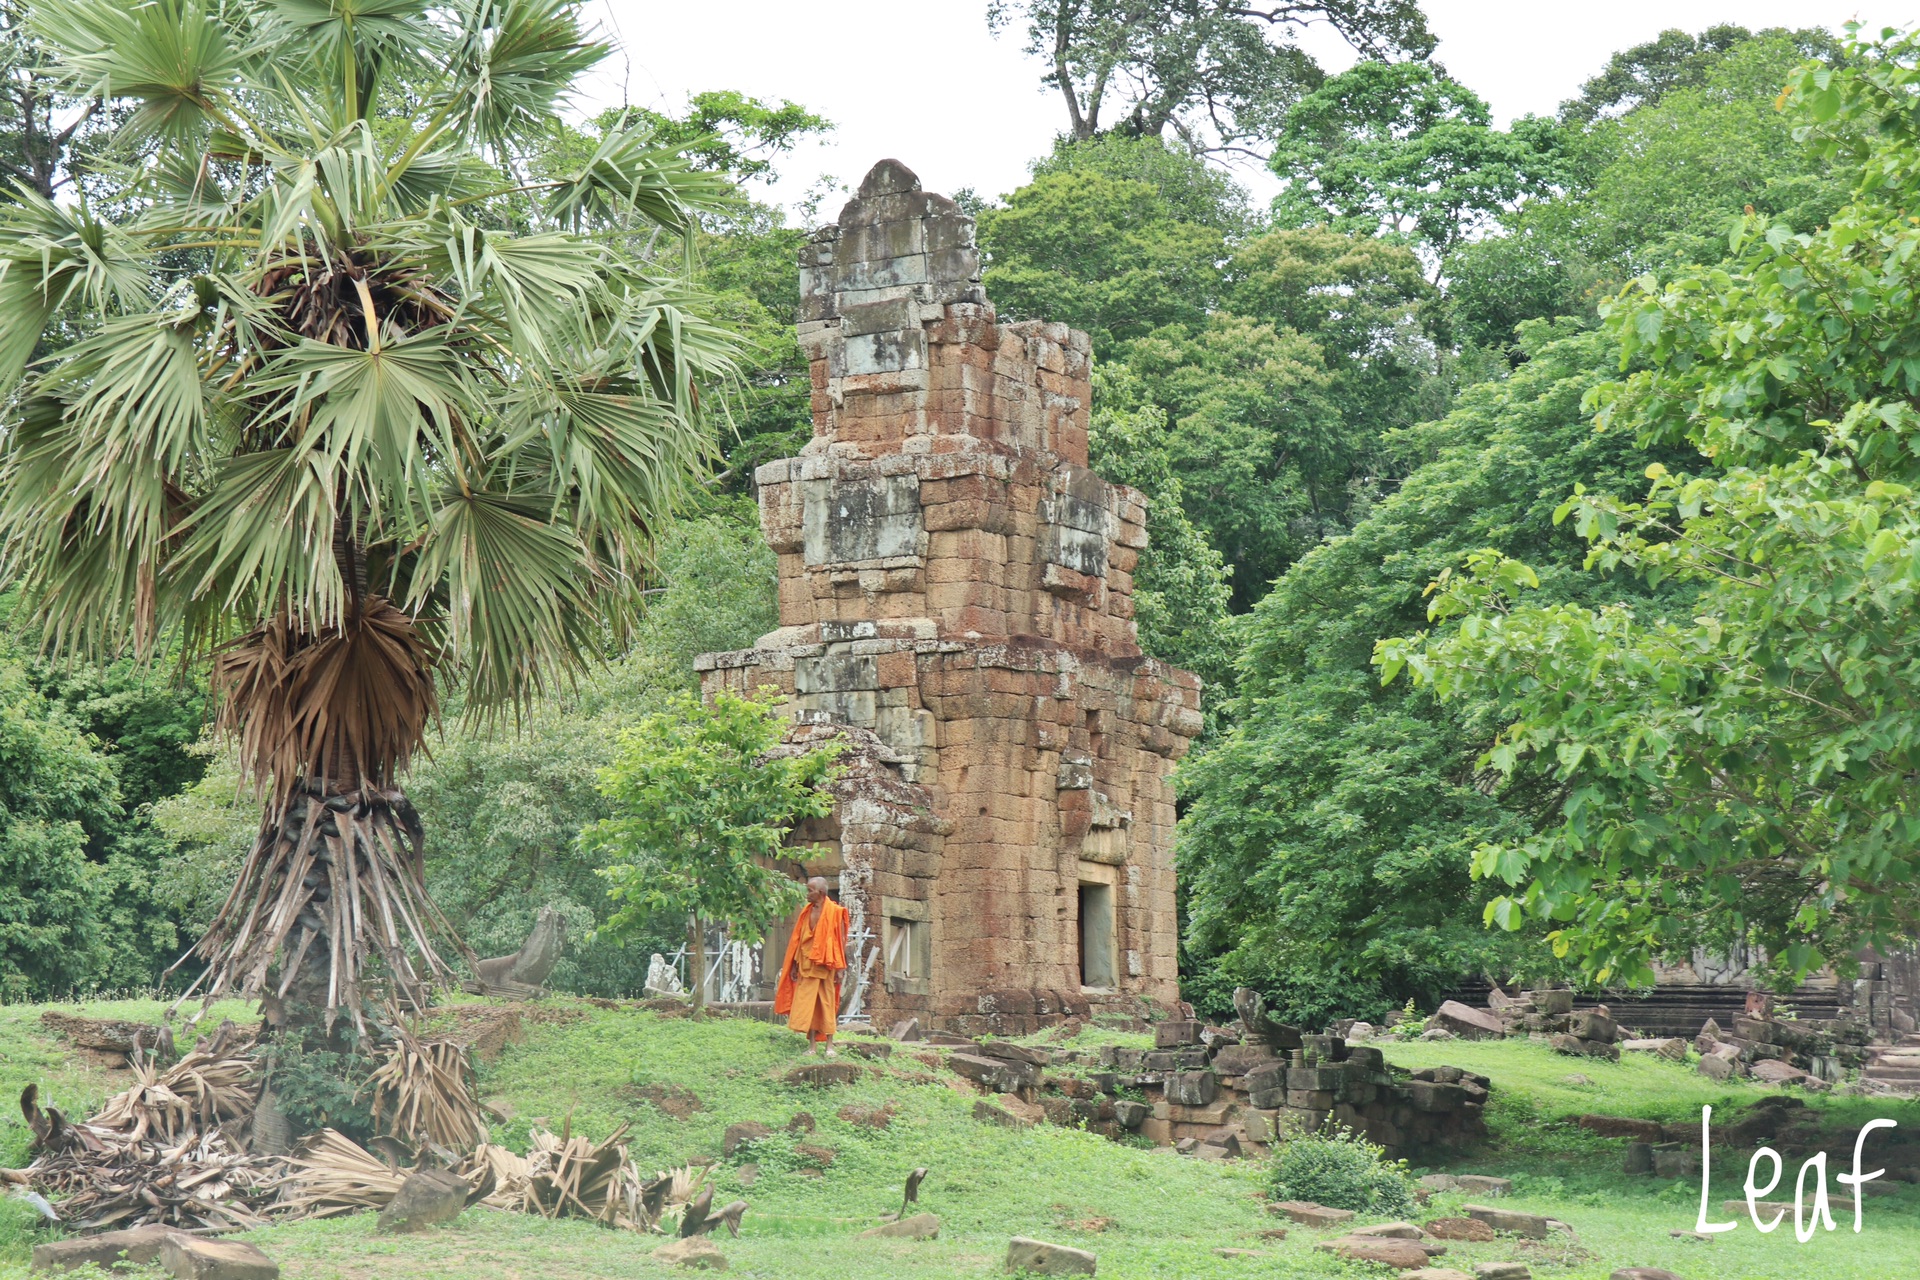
905 948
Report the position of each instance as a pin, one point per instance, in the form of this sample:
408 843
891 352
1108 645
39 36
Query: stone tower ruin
956 600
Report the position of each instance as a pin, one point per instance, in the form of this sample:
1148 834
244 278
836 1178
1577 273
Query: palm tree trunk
329 912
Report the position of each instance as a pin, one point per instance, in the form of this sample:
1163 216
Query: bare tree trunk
698 965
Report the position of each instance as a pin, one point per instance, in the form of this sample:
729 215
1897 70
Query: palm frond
619 456
260 540
448 175
176 60
51 257
363 39
630 178
539 287
388 414
512 65
519 599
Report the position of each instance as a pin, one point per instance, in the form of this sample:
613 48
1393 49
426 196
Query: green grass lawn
1146 1213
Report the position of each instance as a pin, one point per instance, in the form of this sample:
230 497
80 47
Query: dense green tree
1188 189
1363 302
1698 139
701 808
1260 446
1401 150
1180 585
1744 769
41 122
725 131
57 797
1277 401
1675 59
1496 283
1327 838
1088 243
1216 74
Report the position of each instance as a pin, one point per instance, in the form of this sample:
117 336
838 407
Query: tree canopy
1398 148
1215 74
1742 768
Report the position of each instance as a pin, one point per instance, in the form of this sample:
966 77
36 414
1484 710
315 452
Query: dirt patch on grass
489 1028
670 1098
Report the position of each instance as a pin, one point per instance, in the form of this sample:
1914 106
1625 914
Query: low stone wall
1221 1093
1211 1088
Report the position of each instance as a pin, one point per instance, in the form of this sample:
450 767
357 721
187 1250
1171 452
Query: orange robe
812 1002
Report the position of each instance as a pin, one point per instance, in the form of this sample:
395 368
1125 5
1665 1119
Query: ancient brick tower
954 580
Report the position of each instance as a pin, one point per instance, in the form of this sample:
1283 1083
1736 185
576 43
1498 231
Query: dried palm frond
331 1175
561 1176
148 1107
346 704
570 1176
567 1176
155 1153
510 1175
423 1091
201 1182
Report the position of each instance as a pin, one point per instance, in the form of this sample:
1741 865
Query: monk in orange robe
809 990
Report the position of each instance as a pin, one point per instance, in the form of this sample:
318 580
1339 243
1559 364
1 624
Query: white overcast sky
925 82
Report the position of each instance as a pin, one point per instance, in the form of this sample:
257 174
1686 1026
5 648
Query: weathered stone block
427 1197
1591 1024
1467 1022
1512 1221
1037 1257
139 1245
1622 1127
1309 1214
921 1226
196 1258
1400 1254
1175 1032
1427 1095
695 1253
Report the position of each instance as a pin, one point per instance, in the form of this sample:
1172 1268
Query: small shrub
1341 1170
1411 1024
321 1089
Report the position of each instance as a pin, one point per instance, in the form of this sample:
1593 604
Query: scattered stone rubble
1813 1054
1778 1050
1220 1094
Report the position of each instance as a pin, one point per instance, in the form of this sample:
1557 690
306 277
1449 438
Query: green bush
322 1089
1341 1170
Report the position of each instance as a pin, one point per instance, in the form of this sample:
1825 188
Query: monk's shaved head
818 882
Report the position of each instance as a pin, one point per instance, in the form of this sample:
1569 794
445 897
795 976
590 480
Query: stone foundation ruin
957 584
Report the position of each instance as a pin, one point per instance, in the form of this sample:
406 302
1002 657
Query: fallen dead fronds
561 1176
163 1151
331 1175
423 1092
144 1160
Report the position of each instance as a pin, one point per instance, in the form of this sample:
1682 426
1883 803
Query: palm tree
356 399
